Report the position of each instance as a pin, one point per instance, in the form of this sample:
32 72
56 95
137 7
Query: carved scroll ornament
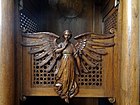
68 57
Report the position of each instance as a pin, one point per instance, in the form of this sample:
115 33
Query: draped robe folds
66 85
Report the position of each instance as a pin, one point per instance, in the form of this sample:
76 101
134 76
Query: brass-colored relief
112 100
68 58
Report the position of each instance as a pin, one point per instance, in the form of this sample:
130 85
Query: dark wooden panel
53 21
97 19
107 6
33 6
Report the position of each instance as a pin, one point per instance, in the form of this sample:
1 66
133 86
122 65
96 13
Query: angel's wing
90 47
43 45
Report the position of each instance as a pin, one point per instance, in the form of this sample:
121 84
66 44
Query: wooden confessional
50 16
114 79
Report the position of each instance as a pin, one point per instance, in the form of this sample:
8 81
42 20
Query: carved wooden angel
68 57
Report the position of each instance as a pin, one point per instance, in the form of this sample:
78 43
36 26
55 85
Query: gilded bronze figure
68 58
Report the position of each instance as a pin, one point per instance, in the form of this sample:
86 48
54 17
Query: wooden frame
105 91
126 93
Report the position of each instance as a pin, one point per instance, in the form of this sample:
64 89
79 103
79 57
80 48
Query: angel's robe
66 85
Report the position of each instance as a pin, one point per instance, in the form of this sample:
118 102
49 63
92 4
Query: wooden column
129 58
7 52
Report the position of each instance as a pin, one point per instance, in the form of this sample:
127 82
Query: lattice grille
27 24
41 78
39 75
111 22
93 78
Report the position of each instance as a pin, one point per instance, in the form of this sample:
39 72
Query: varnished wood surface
107 6
88 18
139 46
129 58
127 73
53 21
117 57
7 78
18 56
96 26
106 90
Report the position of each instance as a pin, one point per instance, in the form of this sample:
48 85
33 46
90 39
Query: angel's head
67 34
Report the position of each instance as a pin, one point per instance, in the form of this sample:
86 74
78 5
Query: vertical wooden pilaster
129 58
7 52
139 52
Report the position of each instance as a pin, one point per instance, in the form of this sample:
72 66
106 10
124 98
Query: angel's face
67 36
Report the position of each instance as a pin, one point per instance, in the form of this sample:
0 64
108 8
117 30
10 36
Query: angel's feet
66 100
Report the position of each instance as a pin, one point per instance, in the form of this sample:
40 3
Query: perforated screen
93 78
27 23
111 22
39 75
41 78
